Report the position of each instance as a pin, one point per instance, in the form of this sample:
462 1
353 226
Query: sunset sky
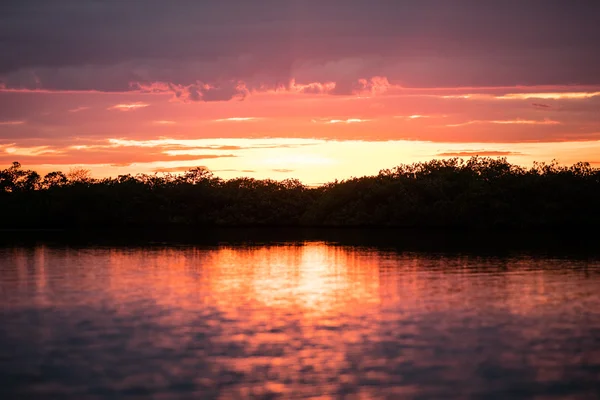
315 90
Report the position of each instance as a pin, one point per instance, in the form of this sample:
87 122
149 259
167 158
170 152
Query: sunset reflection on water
294 320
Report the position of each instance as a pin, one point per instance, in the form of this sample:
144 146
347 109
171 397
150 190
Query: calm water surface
295 320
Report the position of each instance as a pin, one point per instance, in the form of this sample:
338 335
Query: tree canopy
480 192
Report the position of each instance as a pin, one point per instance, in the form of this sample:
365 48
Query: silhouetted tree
54 179
15 179
480 192
79 175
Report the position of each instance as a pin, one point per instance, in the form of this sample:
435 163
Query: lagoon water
295 320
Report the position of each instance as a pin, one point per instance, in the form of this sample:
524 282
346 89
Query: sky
314 90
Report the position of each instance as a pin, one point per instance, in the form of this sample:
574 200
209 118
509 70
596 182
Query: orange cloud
104 157
552 96
471 153
54 91
541 105
19 151
191 151
231 90
282 170
183 168
128 107
412 117
460 96
213 144
375 86
78 109
236 119
507 122
399 113
11 123
342 121
199 91
311 88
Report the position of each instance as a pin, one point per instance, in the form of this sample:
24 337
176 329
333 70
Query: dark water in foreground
294 320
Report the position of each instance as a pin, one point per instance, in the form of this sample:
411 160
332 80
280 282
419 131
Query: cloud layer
201 47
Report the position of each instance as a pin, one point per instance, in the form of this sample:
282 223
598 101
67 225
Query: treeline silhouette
481 192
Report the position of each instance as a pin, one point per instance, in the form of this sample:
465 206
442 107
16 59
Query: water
295 320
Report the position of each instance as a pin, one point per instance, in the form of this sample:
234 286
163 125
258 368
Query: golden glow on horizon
310 160
299 159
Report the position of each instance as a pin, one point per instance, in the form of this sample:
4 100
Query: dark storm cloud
107 44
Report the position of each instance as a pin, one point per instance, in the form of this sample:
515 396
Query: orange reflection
304 319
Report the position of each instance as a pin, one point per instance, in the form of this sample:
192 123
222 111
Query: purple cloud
105 45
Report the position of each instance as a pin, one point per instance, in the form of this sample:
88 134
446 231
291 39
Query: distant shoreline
494 243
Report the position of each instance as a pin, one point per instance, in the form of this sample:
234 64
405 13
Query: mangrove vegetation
481 192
